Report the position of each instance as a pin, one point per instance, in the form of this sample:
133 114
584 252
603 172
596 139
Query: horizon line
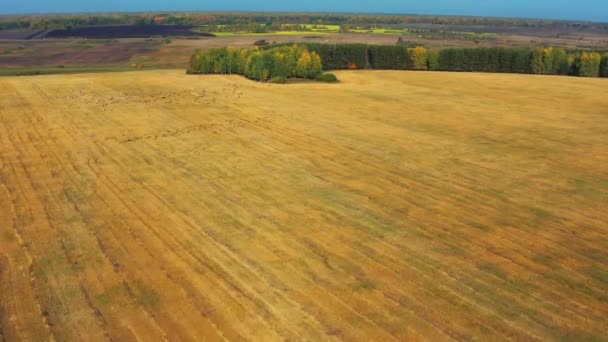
299 12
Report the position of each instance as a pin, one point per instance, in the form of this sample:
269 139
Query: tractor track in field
25 246
69 258
131 291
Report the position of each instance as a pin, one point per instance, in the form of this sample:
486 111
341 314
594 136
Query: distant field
30 56
379 31
287 29
390 206
322 28
251 34
74 53
106 32
63 70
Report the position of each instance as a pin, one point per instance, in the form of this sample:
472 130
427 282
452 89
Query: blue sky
596 10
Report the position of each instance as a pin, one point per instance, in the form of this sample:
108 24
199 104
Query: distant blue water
596 10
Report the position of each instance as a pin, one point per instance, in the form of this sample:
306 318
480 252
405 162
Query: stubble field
392 206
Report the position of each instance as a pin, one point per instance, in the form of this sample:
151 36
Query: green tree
432 59
280 65
308 65
604 66
520 61
388 57
304 64
548 59
316 66
560 62
537 64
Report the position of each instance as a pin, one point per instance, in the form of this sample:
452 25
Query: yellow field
390 206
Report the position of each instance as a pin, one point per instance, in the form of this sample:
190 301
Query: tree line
275 64
244 20
548 61
309 60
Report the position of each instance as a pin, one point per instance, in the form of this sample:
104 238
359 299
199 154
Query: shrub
279 80
29 73
327 77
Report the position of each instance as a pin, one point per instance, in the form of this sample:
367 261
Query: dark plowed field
47 53
128 31
19 34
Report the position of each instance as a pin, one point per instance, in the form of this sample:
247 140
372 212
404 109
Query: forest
276 64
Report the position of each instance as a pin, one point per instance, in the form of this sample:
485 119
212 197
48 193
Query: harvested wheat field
391 206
